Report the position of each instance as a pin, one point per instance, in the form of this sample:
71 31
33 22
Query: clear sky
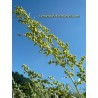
71 30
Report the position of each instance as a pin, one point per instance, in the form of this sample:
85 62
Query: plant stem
75 86
74 83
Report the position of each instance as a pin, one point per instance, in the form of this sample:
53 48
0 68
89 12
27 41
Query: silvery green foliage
39 87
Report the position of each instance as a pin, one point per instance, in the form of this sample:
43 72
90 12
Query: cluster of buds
40 36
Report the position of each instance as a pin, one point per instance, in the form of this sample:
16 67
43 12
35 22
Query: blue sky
71 30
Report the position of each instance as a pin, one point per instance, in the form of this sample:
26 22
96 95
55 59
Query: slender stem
74 84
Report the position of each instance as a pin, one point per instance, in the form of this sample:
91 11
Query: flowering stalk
41 36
